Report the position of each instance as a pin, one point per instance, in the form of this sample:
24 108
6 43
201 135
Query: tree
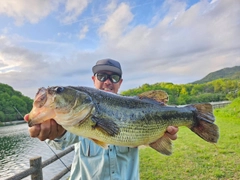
217 85
2 116
9 98
183 91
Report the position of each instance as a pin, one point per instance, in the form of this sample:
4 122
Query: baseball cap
107 65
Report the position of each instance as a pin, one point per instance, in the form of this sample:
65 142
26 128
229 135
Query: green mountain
232 73
13 104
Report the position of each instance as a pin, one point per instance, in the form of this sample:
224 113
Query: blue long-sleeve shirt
92 162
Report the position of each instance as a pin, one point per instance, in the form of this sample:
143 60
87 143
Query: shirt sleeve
66 140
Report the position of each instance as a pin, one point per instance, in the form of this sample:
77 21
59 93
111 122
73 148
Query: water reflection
17 147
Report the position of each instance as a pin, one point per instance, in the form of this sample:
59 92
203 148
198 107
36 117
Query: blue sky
45 43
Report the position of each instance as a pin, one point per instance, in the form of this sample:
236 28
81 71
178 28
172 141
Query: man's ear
93 78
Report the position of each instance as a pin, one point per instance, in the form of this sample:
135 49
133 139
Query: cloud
116 22
26 70
29 11
184 33
35 10
184 46
180 44
83 32
111 6
73 9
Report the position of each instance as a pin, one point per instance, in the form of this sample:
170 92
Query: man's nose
108 81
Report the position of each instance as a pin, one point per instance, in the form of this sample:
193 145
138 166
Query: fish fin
157 95
163 145
100 143
152 101
204 126
108 126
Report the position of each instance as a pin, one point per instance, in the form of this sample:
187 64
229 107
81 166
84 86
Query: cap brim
99 68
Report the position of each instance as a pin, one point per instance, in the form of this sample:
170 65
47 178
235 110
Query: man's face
107 85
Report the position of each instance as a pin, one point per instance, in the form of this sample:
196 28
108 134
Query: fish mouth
39 101
40 111
30 123
39 115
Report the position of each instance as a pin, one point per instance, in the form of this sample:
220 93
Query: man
92 161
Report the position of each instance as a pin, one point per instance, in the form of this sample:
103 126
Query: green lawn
193 158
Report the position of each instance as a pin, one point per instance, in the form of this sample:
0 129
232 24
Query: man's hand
171 132
47 130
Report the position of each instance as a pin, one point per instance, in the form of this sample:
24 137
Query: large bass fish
107 118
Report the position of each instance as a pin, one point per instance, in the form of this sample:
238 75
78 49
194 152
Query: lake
17 147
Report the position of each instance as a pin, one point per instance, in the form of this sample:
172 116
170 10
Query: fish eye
59 89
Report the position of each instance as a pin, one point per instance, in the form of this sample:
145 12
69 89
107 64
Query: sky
47 43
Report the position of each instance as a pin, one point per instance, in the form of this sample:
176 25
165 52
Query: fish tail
204 123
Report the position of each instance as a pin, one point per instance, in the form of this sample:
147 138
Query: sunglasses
114 78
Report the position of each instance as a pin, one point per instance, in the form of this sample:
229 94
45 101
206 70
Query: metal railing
36 166
219 104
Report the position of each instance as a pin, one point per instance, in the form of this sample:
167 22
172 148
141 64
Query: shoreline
12 123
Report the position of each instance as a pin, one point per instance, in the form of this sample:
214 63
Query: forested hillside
218 90
11 101
232 73
220 85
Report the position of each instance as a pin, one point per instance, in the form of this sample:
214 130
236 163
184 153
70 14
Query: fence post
37 164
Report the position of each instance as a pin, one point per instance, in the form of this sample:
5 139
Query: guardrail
219 104
36 166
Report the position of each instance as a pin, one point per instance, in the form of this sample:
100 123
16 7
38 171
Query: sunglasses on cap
114 78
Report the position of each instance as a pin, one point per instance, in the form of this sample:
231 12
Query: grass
193 158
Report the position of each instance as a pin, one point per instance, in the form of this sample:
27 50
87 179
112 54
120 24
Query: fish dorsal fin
100 143
162 145
158 95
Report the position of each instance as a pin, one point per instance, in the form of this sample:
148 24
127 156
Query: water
17 147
